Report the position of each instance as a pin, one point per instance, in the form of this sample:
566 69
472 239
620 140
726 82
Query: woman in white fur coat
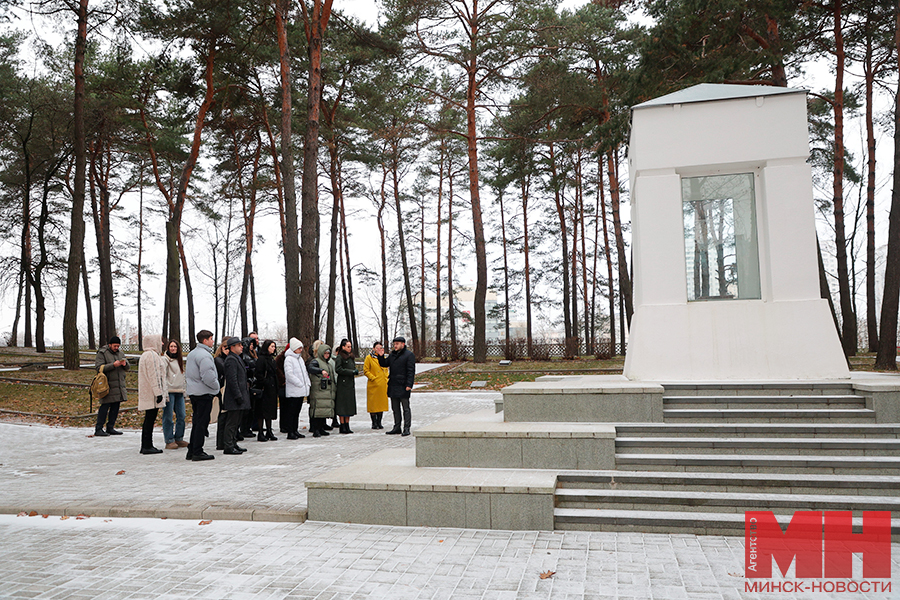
152 393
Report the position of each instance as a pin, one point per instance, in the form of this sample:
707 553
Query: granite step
738 482
792 401
732 430
768 415
761 445
774 388
658 521
702 501
760 463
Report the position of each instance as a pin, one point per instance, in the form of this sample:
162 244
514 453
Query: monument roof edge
711 92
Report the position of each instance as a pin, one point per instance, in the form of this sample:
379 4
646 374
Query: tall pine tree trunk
529 337
354 333
564 246
289 230
451 303
848 317
871 316
437 268
407 284
100 210
890 301
335 235
71 359
315 22
612 170
479 350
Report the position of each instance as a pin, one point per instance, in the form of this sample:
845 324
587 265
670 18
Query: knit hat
115 340
294 344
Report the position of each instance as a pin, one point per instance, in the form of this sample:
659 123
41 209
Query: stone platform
565 454
387 488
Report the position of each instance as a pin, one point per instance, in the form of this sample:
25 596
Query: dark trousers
282 426
201 406
396 405
220 429
147 428
246 422
290 414
232 422
107 413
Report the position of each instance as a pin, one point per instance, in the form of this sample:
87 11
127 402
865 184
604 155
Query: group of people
242 383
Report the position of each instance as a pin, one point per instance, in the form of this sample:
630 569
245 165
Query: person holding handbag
112 360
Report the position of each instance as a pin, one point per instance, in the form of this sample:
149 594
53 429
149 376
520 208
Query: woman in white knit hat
296 388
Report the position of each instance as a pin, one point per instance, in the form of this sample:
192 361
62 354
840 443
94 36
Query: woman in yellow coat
376 388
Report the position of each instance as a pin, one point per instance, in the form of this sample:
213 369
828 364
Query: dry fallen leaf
122 472
107 520
33 513
547 574
22 514
63 518
205 522
45 516
82 517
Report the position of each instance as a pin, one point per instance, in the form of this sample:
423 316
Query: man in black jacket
401 376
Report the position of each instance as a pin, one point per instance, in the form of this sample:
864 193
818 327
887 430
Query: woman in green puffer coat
321 395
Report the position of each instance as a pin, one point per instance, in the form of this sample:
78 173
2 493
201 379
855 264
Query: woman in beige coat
152 393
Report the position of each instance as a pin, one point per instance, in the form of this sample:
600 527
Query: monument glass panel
720 239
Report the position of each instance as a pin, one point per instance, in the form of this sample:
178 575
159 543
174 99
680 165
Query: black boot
374 420
395 430
100 433
347 427
270 435
261 437
379 416
335 424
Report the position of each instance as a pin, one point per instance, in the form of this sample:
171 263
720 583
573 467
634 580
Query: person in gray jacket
114 364
202 384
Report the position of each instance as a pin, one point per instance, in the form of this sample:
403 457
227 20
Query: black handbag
256 394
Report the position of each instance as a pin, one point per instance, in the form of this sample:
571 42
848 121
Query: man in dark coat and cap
236 398
401 364
112 360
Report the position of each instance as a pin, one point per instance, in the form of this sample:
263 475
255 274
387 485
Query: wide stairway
728 449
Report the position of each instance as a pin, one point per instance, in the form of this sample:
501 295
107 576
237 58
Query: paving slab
155 558
59 470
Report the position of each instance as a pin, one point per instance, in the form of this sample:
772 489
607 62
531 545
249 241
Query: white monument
726 283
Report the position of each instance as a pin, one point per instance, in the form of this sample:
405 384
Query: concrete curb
171 512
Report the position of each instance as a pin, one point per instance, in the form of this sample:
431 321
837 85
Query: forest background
151 154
